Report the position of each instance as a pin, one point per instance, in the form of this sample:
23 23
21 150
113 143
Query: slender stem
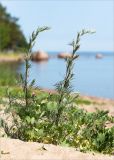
26 82
27 66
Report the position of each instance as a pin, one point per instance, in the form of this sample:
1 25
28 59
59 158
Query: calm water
92 76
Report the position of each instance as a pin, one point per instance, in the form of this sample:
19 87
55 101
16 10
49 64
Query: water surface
93 76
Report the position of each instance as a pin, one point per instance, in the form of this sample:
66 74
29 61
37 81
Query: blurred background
93 70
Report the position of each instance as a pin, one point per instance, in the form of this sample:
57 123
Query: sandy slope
12 149
98 103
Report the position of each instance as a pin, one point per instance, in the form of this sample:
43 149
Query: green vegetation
8 74
76 127
83 101
55 118
11 36
17 90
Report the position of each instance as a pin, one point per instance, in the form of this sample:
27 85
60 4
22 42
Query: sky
66 18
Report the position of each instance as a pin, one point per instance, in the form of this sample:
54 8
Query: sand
14 149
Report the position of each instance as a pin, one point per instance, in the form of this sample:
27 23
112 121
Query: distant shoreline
17 57
11 57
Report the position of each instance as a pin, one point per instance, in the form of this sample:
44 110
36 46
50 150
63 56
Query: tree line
11 36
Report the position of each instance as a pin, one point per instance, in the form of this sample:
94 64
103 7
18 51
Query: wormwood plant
56 119
64 87
24 80
23 99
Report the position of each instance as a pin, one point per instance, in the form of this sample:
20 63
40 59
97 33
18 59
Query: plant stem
27 65
26 82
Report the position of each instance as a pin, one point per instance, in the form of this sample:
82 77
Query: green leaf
32 83
52 106
28 119
32 120
44 101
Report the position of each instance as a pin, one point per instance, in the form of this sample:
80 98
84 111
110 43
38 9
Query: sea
92 76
